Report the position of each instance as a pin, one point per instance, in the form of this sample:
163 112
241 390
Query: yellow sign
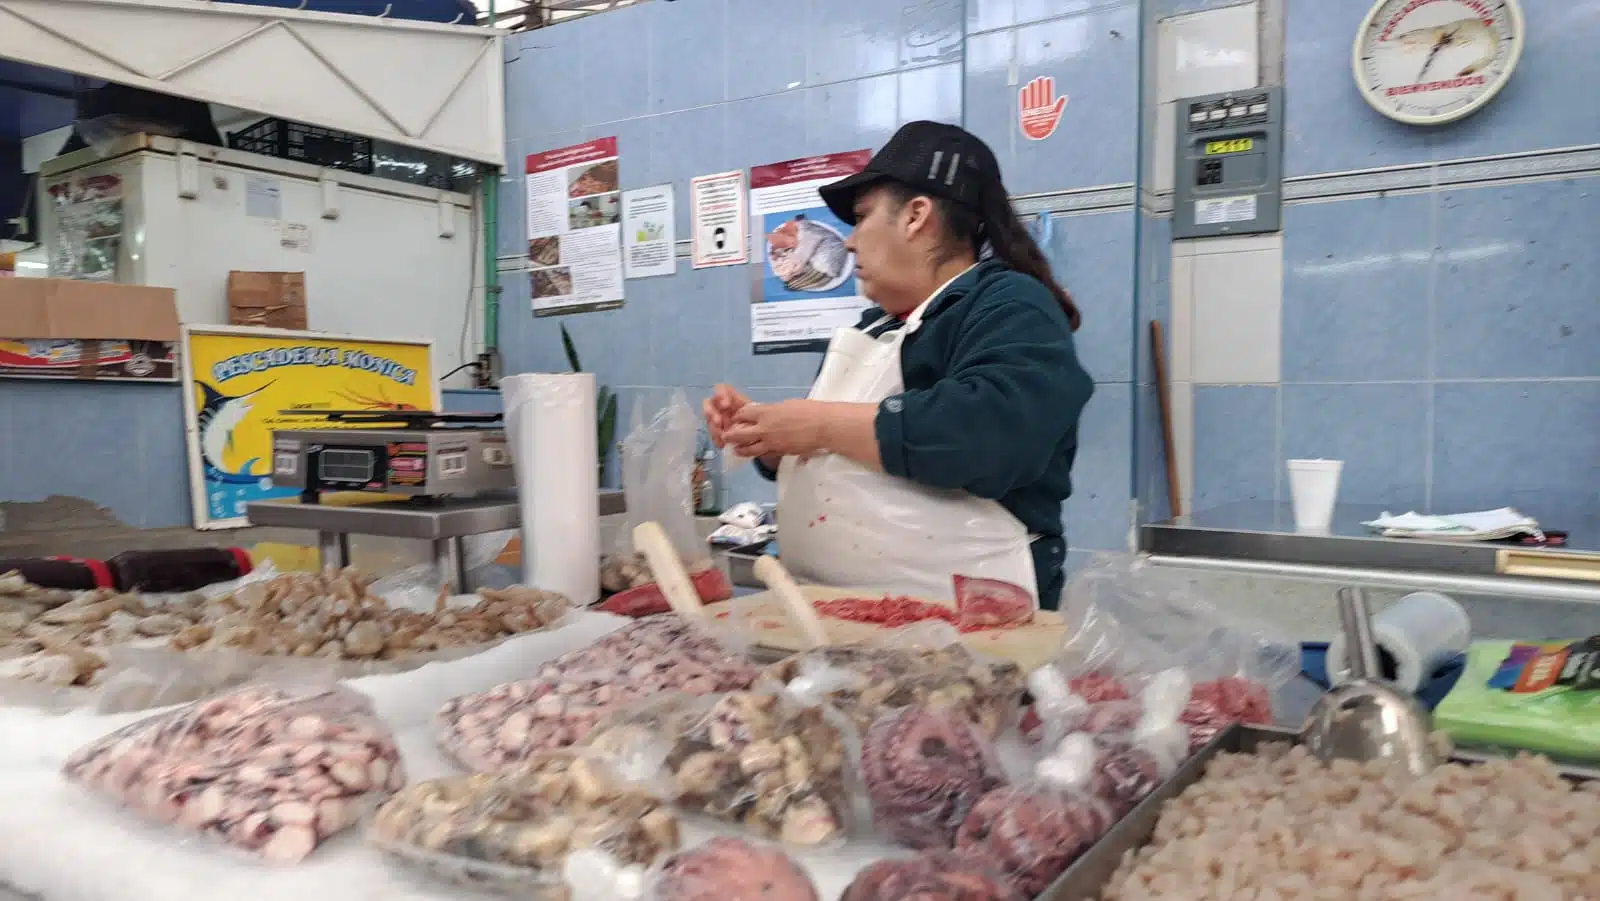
1233 145
241 384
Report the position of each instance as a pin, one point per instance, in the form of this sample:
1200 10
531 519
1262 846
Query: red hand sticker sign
1039 109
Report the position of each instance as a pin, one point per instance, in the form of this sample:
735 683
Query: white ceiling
557 9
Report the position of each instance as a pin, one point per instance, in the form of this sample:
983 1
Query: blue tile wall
118 445
1332 129
1443 344
691 88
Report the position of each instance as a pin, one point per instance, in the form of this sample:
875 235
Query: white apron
844 525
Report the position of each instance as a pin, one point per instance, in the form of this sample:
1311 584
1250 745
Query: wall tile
766 52
1029 11
688 54
1356 291
1094 60
1379 431
991 97
850 115
1093 257
1330 128
988 15
932 93
1096 516
512 233
932 31
634 140
472 401
1151 454
1516 284
853 39
1237 314
1153 300
766 129
685 327
119 446
544 82
685 144
1559 51
1180 331
616 63
1531 445
1235 439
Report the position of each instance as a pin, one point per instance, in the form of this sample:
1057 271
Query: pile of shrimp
1281 826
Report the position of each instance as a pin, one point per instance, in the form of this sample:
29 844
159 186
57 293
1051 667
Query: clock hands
1446 38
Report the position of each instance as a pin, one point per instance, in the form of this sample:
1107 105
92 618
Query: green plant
605 401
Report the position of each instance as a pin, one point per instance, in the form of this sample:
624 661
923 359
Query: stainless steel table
443 523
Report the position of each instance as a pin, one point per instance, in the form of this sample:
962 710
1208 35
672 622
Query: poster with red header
574 208
805 285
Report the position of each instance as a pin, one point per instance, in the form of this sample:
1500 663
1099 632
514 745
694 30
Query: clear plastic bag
1136 619
272 768
924 769
517 833
1032 833
1120 751
497 729
933 876
732 869
923 665
753 758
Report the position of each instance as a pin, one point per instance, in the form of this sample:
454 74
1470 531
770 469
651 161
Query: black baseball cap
936 158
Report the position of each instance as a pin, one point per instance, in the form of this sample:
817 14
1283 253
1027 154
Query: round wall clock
1428 62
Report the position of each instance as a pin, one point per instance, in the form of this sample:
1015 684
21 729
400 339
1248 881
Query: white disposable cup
1314 486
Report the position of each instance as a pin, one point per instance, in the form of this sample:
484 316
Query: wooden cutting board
766 618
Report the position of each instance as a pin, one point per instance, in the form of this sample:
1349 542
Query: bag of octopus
658 463
1136 621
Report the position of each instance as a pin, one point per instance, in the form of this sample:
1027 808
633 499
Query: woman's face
889 261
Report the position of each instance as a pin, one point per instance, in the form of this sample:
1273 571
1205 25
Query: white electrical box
382 259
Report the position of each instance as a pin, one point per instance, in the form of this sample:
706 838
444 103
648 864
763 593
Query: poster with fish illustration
240 384
574 206
805 286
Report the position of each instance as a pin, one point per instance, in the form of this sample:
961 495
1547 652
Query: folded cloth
1314 665
1484 525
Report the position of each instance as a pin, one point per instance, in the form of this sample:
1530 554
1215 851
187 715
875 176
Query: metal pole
491 245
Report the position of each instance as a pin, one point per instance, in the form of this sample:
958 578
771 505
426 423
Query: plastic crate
305 144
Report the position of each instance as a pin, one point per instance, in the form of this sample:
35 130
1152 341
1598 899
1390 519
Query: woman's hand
790 428
720 408
805 429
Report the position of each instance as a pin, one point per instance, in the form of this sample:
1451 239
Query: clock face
1427 62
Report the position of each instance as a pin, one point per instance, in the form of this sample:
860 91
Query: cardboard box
270 299
61 308
63 329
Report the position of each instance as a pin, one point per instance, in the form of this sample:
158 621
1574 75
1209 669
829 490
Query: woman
939 437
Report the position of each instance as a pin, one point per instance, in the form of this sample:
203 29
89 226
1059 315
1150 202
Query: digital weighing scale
411 453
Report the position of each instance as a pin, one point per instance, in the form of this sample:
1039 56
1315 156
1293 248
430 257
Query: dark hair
998 227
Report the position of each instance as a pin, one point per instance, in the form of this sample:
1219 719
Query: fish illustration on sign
219 416
1469 32
807 255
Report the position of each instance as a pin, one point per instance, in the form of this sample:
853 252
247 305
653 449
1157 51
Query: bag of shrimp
498 729
272 767
564 824
753 758
920 665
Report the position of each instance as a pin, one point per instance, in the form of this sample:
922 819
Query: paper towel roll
1416 636
550 424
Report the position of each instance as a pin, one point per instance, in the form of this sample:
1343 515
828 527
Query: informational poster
717 219
74 358
805 286
575 228
88 234
649 242
240 381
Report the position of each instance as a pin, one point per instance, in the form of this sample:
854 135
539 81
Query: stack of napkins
1484 525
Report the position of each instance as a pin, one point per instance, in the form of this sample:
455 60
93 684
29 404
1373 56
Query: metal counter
443 522
1260 537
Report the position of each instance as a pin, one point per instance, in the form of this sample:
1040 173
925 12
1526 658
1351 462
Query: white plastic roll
1420 633
550 425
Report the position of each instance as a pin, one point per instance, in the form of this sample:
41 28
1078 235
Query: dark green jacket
993 391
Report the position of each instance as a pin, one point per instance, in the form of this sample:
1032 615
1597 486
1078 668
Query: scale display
343 466
1229 164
